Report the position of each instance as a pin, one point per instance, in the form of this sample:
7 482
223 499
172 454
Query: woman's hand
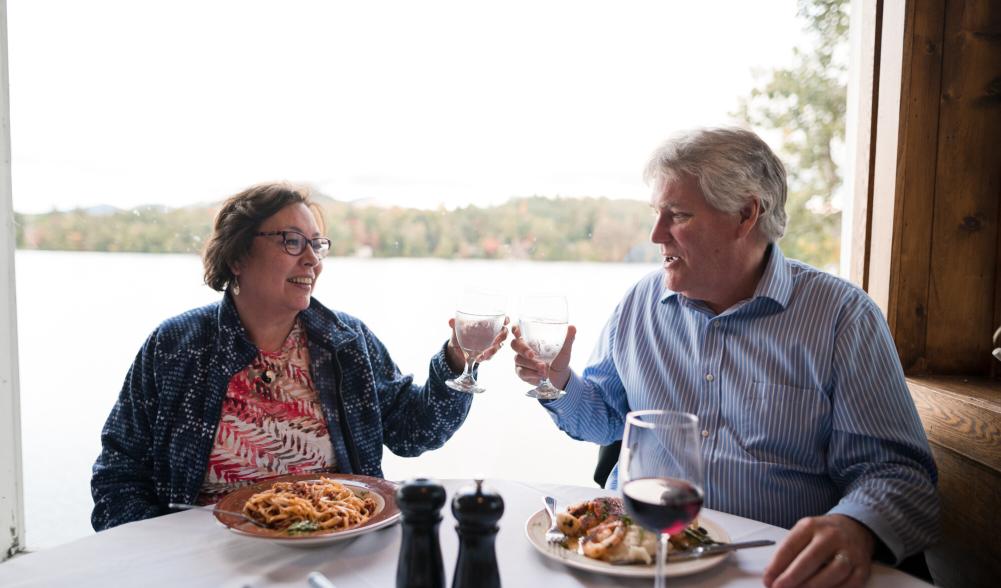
531 370
457 359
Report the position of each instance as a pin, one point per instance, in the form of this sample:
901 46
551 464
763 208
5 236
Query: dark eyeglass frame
319 245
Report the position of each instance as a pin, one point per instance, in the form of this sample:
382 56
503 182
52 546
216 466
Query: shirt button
716 325
705 433
709 377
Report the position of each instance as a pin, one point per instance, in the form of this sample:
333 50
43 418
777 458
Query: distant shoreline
535 228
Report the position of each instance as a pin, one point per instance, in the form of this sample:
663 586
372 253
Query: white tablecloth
191 549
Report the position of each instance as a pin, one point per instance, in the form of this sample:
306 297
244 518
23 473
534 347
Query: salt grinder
477 512
420 564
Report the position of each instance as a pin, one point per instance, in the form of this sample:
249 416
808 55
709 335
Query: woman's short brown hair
239 219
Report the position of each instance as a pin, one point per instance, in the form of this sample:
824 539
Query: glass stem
467 372
659 580
544 382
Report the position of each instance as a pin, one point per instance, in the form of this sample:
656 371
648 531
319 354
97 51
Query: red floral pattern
272 422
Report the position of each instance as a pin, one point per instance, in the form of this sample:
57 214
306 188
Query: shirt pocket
785 425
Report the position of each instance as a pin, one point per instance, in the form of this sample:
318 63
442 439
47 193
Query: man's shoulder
811 284
643 296
650 286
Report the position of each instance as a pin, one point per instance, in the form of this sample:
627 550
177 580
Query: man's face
702 247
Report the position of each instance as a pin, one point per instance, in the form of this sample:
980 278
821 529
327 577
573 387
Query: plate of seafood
602 538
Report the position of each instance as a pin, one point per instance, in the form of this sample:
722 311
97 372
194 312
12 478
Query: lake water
83 316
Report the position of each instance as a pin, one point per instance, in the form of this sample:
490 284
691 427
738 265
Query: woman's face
273 283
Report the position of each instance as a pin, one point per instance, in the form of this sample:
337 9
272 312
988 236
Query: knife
708 550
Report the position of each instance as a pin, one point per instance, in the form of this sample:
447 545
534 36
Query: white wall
11 494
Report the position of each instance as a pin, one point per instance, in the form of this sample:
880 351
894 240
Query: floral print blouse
272 422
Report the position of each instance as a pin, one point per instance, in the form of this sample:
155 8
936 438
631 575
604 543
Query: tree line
536 228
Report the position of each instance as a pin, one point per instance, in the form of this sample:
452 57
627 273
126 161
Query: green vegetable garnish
301 527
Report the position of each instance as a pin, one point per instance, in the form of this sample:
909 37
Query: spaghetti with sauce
310 505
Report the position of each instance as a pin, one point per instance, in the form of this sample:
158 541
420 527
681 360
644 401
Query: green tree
805 105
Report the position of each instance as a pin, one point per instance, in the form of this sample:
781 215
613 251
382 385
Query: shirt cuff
440 367
877 524
568 401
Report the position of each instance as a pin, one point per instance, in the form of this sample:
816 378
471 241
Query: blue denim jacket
157 440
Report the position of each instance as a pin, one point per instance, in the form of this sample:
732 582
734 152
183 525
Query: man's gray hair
732 165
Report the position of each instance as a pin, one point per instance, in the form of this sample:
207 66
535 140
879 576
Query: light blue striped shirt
799 393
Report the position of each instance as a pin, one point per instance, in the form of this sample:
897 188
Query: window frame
11 482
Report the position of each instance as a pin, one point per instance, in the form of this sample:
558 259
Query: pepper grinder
420 564
477 512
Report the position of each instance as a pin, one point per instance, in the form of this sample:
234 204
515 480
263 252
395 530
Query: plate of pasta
310 509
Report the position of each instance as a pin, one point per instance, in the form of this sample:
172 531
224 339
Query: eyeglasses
294 242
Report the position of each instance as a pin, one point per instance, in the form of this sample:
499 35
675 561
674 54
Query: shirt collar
321 324
775 283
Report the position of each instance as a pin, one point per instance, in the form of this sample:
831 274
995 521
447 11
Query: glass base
465 383
545 391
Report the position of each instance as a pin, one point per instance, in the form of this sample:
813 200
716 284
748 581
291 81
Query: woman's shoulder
190 326
333 325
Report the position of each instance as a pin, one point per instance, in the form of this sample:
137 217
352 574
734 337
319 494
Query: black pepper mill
477 512
420 564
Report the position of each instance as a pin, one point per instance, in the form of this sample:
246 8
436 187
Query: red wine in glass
663 505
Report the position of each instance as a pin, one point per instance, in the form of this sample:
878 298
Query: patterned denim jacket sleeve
415 418
132 478
122 481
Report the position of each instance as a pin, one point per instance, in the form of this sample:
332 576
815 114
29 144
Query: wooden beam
860 126
967 183
967 554
904 178
962 414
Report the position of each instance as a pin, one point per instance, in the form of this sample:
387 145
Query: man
806 419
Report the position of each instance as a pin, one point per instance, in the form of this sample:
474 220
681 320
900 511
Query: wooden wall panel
863 97
887 115
968 554
904 170
996 365
935 254
963 414
916 175
967 183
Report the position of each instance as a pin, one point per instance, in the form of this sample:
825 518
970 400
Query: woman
266 381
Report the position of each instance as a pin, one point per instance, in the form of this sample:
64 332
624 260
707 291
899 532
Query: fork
213 509
553 534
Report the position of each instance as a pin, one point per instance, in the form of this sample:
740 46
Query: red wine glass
660 474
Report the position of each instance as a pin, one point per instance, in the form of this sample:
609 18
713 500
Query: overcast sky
410 103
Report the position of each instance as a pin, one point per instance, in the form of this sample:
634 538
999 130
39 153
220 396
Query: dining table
191 548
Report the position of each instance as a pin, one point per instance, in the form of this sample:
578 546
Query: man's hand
829 550
530 370
456 358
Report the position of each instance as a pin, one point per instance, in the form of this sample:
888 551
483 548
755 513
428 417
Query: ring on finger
839 556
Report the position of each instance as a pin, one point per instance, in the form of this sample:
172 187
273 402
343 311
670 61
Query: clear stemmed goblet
660 474
478 321
542 320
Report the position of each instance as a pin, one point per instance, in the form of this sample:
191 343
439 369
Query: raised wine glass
478 321
542 319
660 474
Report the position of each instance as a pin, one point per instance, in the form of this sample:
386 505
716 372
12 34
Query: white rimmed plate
383 491
538 523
